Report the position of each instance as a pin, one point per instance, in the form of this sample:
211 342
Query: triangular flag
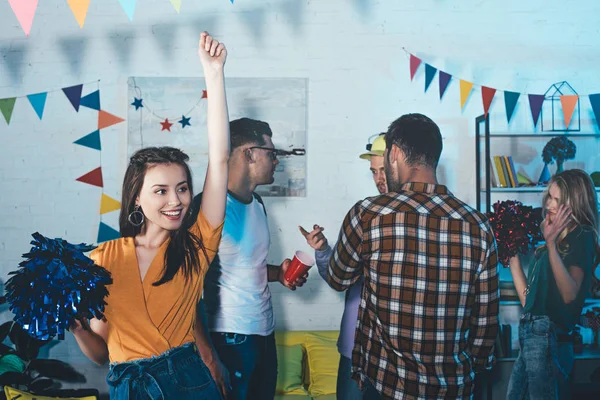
25 11
129 7
429 75
92 178
108 204
444 79
92 101
106 233
414 64
80 9
6 107
176 4
38 102
568 105
595 102
91 140
487 95
105 119
510 102
535 103
73 93
465 90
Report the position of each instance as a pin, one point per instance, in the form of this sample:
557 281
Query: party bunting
108 204
105 119
38 102
176 4
429 75
465 90
92 178
487 95
128 7
444 79
25 11
414 65
73 93
6 107
106 233
595 102
92 101
568 103
510 102
80 9
535 104
91 140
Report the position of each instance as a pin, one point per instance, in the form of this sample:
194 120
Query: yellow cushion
289 338
289 370
323 359
12 393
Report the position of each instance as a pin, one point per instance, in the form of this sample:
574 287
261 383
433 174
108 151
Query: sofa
307 364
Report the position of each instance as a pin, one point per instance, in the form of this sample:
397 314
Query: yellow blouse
145 320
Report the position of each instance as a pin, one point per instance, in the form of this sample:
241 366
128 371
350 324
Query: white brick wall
351 51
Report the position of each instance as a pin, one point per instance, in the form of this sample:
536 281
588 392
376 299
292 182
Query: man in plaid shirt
429 309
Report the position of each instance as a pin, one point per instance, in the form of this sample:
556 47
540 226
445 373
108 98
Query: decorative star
137 103
166 125
204 94
185 121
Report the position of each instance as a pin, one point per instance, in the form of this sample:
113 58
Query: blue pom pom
54 286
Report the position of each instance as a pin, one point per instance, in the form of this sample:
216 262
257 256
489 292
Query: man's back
429 310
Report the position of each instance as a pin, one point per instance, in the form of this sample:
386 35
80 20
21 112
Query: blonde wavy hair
577 191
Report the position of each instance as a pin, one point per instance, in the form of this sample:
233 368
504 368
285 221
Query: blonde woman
554 291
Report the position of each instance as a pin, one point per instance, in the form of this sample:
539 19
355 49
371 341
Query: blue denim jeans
347 388
544 364
178 373
252 364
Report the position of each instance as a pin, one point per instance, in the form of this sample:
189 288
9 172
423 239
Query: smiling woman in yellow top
158 265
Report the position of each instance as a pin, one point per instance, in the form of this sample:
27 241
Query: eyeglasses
274 153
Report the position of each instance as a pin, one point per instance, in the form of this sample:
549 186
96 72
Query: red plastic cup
300 264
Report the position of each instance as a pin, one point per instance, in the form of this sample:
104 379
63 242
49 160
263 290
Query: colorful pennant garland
90 140
568 102
25 10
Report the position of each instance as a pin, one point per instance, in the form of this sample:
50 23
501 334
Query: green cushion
289 370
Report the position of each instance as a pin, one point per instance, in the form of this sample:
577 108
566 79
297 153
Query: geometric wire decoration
553 94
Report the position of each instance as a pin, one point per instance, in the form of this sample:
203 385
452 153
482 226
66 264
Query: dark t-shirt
577 249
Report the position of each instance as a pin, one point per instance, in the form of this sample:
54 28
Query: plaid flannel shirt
429 309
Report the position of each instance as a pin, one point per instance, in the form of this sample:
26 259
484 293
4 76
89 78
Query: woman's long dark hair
183 249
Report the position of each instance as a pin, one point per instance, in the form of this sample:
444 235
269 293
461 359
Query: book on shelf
513 171
505 172
511 178
523 178
500 172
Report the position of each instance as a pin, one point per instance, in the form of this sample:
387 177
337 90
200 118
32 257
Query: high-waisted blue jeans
178 373
544 363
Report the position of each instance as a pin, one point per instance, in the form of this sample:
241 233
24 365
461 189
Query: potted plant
558 149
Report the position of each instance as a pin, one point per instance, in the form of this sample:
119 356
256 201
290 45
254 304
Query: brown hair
183 249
